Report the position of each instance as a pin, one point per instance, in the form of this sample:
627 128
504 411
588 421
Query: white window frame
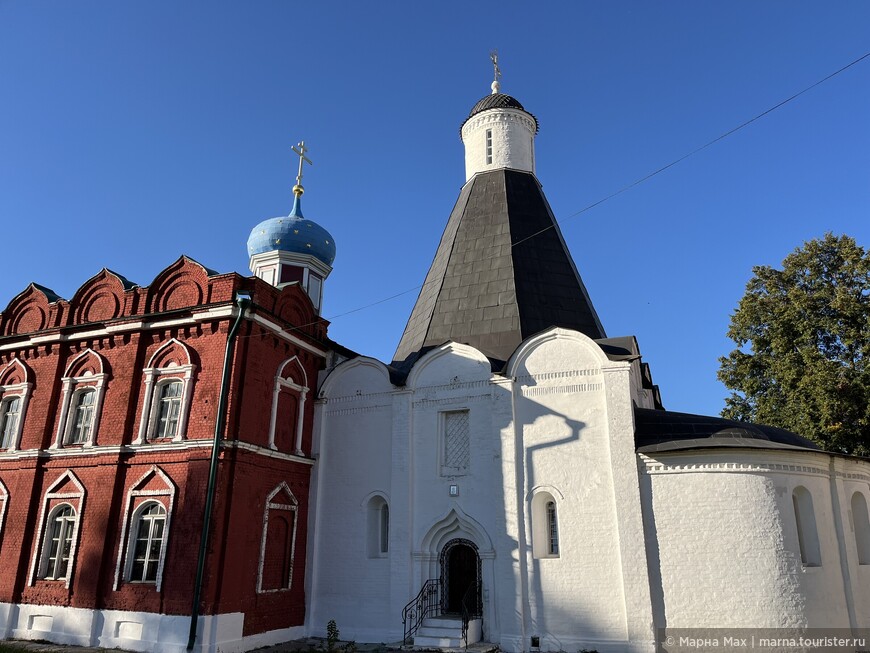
289 507
4 502
282 383
74 499
164 496
21 390
71 386
488 137
542 524
154 378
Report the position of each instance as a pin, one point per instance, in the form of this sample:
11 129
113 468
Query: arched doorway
460 570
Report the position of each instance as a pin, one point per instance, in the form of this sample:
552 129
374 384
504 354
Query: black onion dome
497 101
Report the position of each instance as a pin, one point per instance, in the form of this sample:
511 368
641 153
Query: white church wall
853 477
575 598
453 385
352 576
723 535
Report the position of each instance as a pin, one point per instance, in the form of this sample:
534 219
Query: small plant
332 635
350 647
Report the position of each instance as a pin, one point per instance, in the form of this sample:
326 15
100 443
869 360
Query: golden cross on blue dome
297 189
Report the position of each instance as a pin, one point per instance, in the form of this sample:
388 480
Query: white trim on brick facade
125 543
64 497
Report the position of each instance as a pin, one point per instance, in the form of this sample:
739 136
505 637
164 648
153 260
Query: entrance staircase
445 631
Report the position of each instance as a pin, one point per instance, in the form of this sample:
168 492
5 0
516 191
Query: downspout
242 301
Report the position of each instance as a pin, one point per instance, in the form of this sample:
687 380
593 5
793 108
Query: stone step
443 621
439 642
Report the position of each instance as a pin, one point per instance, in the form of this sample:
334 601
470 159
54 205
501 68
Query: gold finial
297 189
496 71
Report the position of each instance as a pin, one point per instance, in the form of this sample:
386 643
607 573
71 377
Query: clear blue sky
133 132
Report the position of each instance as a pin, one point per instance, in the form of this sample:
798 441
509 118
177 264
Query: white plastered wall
513 141
568 400
723 536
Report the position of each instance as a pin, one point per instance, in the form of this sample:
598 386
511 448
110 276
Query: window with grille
488 146
456 450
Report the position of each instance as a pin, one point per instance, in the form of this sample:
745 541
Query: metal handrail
470 608
425 604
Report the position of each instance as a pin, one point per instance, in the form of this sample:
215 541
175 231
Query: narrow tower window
552 529
489 147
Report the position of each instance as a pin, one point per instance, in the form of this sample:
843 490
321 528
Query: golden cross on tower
297 189
496 71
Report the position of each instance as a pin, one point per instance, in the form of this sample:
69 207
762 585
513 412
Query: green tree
802 361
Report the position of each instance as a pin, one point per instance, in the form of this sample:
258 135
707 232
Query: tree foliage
802 361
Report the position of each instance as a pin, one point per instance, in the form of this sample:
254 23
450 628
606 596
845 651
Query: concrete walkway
304 645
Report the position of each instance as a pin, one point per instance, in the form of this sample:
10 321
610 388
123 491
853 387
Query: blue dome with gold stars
292 233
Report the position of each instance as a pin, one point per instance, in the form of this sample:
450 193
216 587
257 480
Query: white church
512 477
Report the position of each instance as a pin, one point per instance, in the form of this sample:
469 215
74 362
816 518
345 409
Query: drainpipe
242 301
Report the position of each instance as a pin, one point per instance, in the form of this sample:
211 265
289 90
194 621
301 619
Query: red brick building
109 403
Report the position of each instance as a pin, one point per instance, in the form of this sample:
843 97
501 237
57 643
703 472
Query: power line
703 147
637 182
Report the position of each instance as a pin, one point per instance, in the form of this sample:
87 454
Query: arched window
147 543
168 410
84 384
58 543
552 529
168 394
82 416
805 521
15 391
545 525
385 528
378 527
10 412
861 523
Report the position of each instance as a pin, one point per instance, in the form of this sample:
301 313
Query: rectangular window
456 449
488 146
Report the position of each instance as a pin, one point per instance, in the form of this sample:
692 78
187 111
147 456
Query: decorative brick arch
181 285
100 298
29 311
293 305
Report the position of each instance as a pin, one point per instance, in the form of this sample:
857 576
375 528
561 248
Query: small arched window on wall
378 527
805 521
545 525
288 407
861 524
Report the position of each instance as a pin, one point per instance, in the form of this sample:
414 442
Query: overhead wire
625 188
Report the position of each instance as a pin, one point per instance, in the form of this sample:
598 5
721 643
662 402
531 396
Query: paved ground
304 645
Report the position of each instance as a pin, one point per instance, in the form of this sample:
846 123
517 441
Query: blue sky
133 132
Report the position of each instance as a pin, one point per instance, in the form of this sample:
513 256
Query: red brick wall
107 475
